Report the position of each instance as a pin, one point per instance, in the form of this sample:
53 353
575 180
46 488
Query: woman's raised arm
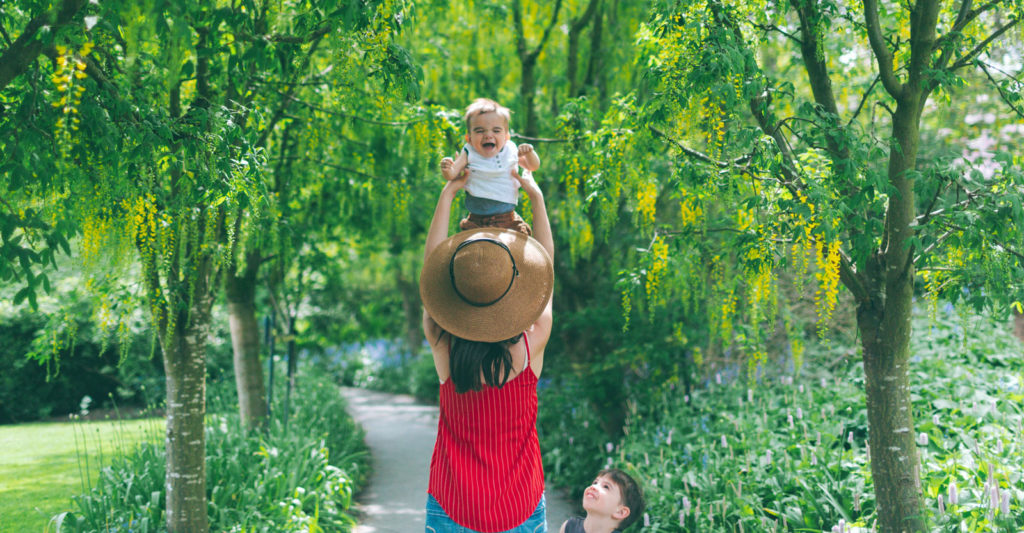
438 231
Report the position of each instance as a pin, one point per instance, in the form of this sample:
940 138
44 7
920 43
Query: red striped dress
486 471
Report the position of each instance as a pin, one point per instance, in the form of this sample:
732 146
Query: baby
491 157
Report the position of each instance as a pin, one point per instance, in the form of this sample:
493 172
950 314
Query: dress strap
527 341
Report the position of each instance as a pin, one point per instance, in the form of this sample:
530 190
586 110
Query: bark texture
240 289
185 366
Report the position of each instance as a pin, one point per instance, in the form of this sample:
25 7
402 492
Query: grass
41 467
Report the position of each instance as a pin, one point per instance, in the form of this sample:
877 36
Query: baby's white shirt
491 177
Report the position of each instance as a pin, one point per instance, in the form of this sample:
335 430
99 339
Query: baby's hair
632 495
486 105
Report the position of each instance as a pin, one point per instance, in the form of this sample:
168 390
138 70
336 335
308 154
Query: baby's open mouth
489 145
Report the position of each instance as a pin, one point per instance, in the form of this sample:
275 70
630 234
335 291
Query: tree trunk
1018 326
895 466
413 310
240 288
527 90
185 366
575 29
883 319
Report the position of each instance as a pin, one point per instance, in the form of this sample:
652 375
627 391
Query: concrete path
400 434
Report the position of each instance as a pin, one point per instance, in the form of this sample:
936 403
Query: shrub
297 476
789 453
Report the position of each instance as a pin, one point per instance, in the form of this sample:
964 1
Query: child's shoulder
573 525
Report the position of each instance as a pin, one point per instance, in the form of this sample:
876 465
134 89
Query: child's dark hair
469 359
632 495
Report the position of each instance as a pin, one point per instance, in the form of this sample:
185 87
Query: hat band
451 272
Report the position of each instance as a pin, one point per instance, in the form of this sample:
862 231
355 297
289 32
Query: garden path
400 434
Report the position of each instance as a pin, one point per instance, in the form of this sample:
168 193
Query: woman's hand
527 182
456 183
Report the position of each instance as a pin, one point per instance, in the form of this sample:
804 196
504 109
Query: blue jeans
439 522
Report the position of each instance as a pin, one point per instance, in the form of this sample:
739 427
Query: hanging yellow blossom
655 271
828 283
646 198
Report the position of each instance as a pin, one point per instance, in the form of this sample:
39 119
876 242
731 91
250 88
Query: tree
161 115
839 179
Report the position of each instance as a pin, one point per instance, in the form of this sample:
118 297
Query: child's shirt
491 177
575 525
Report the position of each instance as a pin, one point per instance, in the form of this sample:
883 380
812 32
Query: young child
490 156
612 502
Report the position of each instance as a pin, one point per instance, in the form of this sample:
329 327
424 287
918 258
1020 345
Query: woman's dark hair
467 360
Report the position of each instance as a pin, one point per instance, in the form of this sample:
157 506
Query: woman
487 317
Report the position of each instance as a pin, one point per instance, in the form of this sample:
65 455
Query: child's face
488 134
603 497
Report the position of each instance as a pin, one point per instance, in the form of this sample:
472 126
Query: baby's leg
451 169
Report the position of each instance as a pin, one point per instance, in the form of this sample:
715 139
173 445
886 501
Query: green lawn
41 465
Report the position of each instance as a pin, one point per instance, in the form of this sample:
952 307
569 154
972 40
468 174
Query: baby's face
488 134
602 496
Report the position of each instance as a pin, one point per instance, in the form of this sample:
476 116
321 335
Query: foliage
55 355
382 365
789 452
299 476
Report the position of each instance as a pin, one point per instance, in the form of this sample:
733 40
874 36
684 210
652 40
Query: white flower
750 395
1004 504
799 413
922 439
647 520
718 378
789 420
609 447
953 497
725 443
942 505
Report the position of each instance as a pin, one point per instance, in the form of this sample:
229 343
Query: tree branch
547 30
882 53
350 116
694 154
966 59
1002 93
27 47
863 100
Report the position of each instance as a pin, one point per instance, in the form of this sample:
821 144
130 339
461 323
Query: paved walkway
400 434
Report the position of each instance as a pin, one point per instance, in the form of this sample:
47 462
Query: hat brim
504 319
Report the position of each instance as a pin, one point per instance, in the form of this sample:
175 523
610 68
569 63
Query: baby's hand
446 168
525 148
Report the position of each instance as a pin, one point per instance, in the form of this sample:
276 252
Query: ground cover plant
43 464
789 451
297 476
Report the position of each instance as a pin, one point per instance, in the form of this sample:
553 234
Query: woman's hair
468 360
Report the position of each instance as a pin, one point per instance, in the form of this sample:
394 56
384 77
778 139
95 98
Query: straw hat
487 284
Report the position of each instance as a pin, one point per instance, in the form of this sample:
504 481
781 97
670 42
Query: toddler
491 157
613 502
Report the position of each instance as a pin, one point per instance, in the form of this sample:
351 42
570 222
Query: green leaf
21 295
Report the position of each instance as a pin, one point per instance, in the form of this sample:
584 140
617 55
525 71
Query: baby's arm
528 157
451 169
